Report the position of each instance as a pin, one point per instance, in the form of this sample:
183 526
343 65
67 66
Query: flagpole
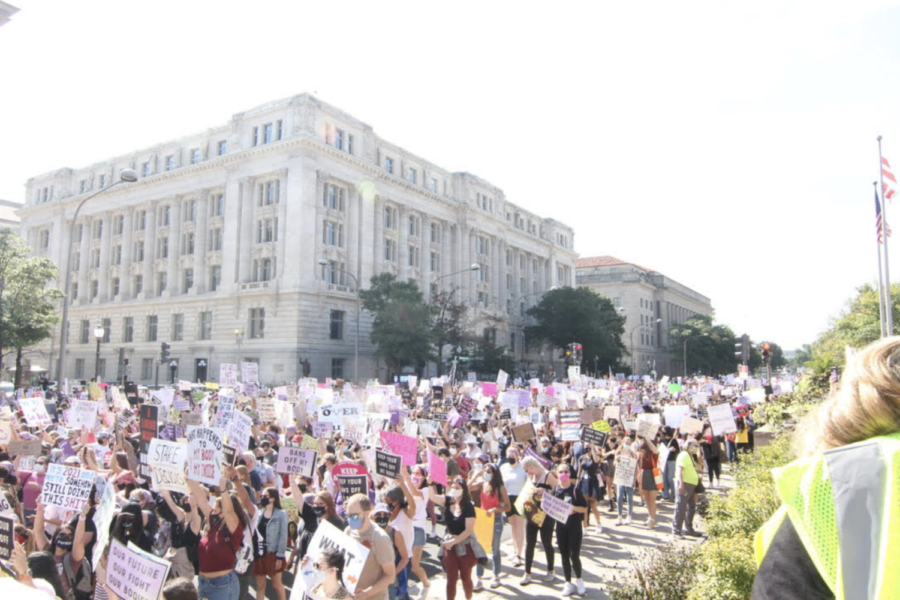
878 237
889 311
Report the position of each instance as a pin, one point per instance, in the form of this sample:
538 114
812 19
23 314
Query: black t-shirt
457 525
787 572
261 538
571 495
89 527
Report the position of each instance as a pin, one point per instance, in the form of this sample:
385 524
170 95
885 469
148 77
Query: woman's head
564 472
62 540
419 476
512 454
128 524
492 477
323 505
395 498
270 496
531 465
43 566
332 562
458 490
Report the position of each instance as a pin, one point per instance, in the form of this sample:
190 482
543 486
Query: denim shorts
418 537
225 587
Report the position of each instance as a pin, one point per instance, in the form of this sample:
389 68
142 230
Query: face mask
264 501
38 468
186 507
302 487
512 460
564 478
416 480
453 451
127 525
355 523
318 510
20 538
64 542
382 521
455 493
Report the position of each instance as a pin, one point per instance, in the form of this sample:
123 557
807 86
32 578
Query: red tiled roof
604 261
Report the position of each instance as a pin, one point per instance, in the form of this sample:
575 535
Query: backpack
244 554
81 586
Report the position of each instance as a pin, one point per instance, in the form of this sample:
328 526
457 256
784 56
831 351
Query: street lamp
126 176
173 366
472 267
98 334
325 263
631 336
239 338
684 355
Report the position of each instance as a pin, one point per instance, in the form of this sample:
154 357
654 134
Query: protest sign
489 389
646 429
5 507
328 536
589 435
403 445
191 419
167 461
83 414
465 408
721 419
545 462
241 428
229 455
625 471
570 425
502 378
387 465
322 429
351 485
204 455
135 574
249 372
309 442
225 412
35 412
347 469
228 375
437 468
556 509
601 425
6 537
528 504
103 516
675 414
523 433
67 487
25 448
611 412
296 461
266 408
149 427
690 425
484 527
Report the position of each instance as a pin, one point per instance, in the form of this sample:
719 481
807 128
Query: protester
686 480
514 478
543 480
495 501
418 485
569 534
647 463
185 538
381 516
589 484
330 564
271 528
220 543
459 551
624 493
378 571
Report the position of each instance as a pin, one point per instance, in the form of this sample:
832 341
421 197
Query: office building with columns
216 248
652 304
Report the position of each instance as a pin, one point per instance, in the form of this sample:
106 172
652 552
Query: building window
138 251
95 258
97 229
187 281
190 210
187 243
79 368
254 140
115 286
434 233
95 289
333 273
257 323
145 169
279 128
432 185
128 329
102 181
85 336
152 328
178 327
339 139
146 369
337 368
267 133
165 216
119 225
170 162
263 270
215 277
333 234
195 156
413 225
413 256
217 205
411 175
481 245
269 192
337 324
138 284
512 341
215 240
389 164
350 143
390 217
162 280
435 262
140 220
267 230
482 273
162 248
390 250
205 326
222 148
334 197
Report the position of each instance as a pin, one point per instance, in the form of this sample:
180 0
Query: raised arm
199 497
406 485
40 538
78 543
231 519
176 510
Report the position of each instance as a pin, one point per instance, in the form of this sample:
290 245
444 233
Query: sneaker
423 593
568 589
677 533
549 577
651 523
495 583
517 562
693 533
579 585
479 586
611 509
628 521
526 579
619 521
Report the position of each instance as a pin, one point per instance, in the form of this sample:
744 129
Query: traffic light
568 354
164 352
742 349
576 354
765 351
572 354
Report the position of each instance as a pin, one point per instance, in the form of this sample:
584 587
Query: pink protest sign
404 445
489 389
437 468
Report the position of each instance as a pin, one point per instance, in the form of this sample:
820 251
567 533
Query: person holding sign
514 478
271 527
458 550
67 548
185 526
569 534
494 501
378 571
647 456
220 543
543 480
330 563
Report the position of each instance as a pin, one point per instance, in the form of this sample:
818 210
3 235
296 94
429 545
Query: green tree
567 315
27 301
776 356
488 359
402 330
449 320
710 347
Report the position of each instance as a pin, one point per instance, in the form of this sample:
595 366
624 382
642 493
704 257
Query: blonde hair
866 405
530 462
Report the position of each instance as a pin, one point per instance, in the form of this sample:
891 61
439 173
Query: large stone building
8 217
216 248
652 304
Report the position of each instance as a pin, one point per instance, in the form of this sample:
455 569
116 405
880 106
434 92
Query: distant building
6 11
8 217
652 303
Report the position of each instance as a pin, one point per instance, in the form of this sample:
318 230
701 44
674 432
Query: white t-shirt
420 519
513 477
404 525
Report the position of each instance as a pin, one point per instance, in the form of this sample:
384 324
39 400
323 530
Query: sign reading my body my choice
204 455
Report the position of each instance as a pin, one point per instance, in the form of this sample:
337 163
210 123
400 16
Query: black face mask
382 521
64 542
302 487
318 510
127 525
264 501
186 507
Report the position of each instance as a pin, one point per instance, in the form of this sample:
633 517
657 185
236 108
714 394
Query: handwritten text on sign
167 461
387 465
296 461
204 455
556 509
134 574
403 445
67 487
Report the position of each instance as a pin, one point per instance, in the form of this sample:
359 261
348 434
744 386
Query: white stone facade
8 217
645 296
224 230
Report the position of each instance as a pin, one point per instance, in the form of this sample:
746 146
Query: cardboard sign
135 574
67 487
484 527
437 468
191 419
355 554
167 461
523 433
721 419
388 465
228 375
25 448
690 425
6 537
556 509
351 485
403 445
611 412
296 461
589 435
647 429
204 455
625 471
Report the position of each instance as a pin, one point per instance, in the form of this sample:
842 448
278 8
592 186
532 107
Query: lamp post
684 354
239 338
173 366
98 335
126 176
325 263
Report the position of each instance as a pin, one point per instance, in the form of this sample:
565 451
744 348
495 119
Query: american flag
887 188
881 228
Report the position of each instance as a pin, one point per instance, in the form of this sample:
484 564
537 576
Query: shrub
725 569
665 573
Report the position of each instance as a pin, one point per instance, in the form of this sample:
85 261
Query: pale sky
730 146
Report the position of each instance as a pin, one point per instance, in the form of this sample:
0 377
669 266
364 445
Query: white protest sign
167 461
35 412
556 509
676 414
228 375
700 399
239 435
5 425
165 395
502 378
296 461
249 372
625 471
103 516
225 411
690 425
266 408
204 455
721 419
355 554
135 574
646 429
5 507
82 414
67 487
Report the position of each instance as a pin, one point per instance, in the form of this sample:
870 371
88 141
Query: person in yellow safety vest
838 528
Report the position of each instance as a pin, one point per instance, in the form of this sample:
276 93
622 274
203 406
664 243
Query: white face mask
455 493
38 468
453 451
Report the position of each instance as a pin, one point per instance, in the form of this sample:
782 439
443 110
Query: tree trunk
17 382
440 359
